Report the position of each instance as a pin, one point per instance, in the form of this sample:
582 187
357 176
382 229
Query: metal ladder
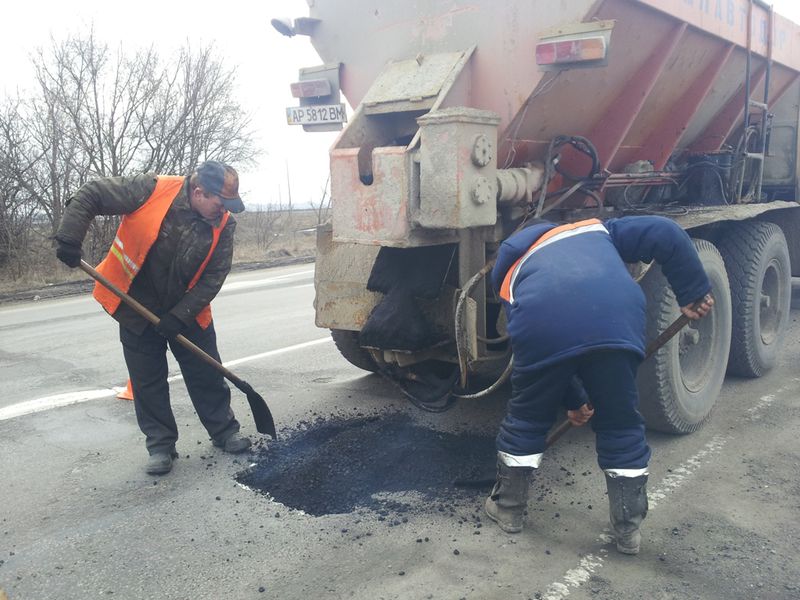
760 153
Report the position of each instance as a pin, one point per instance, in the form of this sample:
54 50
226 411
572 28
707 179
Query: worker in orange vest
172 253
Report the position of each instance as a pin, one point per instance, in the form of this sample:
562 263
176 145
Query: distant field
267 235
262 236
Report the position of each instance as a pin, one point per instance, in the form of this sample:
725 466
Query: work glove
170 326
69 254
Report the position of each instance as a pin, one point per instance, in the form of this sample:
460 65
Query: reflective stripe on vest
136 234
551 236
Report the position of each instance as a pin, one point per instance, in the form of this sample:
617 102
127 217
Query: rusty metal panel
663 138
410 84
342 300
458 186
728 20
376 212
535 105
341 273
366 35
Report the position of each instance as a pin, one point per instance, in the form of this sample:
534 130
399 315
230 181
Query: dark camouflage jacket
182 245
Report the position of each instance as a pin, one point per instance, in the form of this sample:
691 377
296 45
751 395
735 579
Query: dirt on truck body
472 117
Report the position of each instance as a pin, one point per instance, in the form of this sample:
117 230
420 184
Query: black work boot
509 498
160 462
234 443
627 501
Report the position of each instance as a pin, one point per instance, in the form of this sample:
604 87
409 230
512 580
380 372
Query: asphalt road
80 519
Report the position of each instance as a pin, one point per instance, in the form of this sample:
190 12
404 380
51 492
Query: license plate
316 115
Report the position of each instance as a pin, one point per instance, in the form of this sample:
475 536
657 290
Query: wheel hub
769 311
695 353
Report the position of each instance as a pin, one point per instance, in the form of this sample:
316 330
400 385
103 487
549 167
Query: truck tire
679 384
788 219
347 343
757 260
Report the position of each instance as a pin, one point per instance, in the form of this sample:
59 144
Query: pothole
382 462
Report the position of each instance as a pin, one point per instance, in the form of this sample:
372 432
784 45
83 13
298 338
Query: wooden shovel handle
144 312
652 348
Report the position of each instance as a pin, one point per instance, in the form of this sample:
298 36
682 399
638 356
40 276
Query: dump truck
470 117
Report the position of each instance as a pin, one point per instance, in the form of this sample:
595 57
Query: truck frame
473 116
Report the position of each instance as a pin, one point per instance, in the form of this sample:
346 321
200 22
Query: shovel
261 413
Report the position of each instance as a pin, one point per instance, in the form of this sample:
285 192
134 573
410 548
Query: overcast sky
266 62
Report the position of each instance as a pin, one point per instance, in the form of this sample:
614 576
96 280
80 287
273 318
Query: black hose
551 165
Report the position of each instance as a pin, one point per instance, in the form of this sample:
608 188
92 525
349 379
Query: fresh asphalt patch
382 462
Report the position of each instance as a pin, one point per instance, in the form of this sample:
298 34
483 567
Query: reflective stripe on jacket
566 290
135 236
553 235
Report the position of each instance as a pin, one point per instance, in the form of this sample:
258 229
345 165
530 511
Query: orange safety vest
505 288
136 235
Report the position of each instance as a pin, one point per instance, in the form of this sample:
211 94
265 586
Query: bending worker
172 253
574 311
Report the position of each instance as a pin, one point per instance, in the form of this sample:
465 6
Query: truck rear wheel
757 260
347 343
679 384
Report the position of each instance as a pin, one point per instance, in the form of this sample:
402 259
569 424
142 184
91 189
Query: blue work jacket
573 293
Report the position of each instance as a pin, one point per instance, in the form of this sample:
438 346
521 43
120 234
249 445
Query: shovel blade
262 416
258 406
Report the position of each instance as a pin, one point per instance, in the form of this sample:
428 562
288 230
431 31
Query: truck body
472 116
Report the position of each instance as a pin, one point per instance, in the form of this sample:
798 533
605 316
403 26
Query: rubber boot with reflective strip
509 498
627 501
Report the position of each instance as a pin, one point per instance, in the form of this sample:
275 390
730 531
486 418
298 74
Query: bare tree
264 219
323 206
16 208
128 114
193 116
99 113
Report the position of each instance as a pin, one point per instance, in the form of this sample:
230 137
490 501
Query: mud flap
403 275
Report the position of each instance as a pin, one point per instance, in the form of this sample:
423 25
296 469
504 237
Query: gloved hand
170 326
69 254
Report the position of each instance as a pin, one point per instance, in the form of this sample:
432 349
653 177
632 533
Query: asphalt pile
340 464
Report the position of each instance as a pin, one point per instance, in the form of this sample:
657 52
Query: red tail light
571 51
311 88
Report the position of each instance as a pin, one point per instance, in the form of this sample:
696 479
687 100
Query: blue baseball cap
223 181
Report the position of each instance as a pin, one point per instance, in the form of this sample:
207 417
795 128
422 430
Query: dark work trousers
146 358
609 379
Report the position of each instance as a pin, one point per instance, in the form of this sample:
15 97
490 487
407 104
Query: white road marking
755 412
589 564
39 304
574 577
59 400
227 287
239 361
48 402
678 475
763 403
242 285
